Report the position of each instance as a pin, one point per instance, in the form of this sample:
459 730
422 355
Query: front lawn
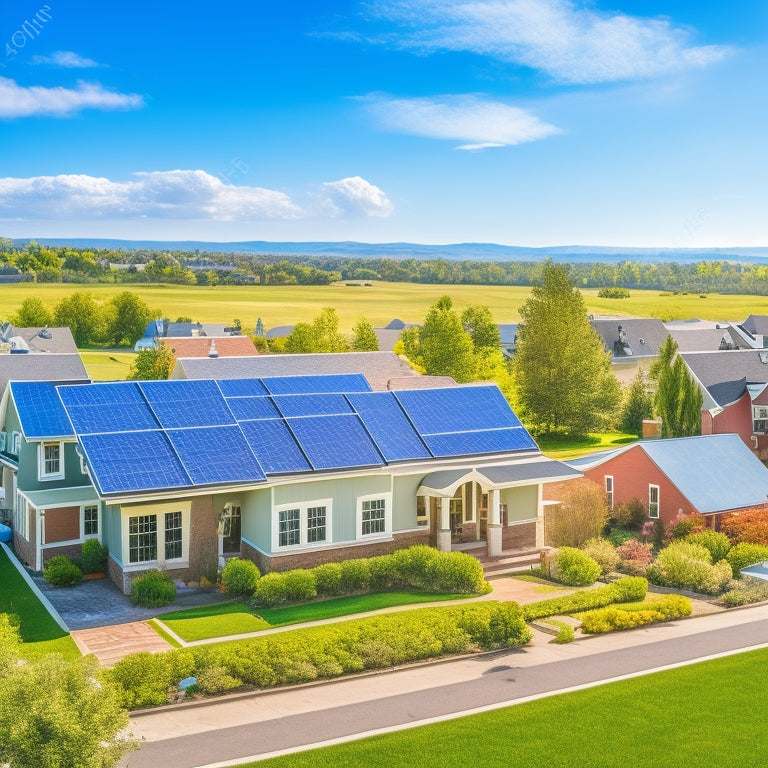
706 715
564 447
225 619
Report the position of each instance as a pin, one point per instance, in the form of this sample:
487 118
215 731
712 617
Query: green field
707 715
286 305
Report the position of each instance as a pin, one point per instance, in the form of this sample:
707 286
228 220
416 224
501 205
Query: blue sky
525 122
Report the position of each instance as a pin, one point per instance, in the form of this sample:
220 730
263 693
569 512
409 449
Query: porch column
494 523
39 535
540 517
444 526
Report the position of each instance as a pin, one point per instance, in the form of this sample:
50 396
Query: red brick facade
521 536
736 418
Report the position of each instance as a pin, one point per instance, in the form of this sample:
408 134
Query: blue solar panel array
175 434
40 411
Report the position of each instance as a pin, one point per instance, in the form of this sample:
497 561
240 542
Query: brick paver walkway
112 643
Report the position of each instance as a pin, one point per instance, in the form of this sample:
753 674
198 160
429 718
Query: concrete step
518 561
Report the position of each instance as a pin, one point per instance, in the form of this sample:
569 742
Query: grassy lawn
107 364
226 619
706 715
39 632
563 447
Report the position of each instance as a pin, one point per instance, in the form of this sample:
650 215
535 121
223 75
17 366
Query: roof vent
641 340
44 333
763 357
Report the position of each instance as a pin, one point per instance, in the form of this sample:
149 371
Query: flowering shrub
747 527
634 557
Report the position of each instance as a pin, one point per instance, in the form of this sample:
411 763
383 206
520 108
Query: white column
444 527
540 518
39 536
494 523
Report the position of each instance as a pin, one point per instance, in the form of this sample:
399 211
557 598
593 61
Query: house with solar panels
49 500
293 471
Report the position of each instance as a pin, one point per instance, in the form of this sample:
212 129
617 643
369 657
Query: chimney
213 352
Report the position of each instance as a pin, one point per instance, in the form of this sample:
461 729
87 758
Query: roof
41 367
279 332
59 497
756 324
40 410
159 437
416 381
45 339
377 367
508 333
631 336
704 336
386 338
224 346
722 373
716 473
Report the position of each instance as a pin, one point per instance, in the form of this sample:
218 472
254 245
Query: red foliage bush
747 527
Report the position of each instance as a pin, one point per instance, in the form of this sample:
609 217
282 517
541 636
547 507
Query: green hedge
62 572
321 652
625 590
239 577
744 554
420 567
614 618
573 567
153 589
686 565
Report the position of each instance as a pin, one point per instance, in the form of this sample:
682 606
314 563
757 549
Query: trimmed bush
153 589
323 652
686 565
328 579
573 567
239 577
299 586
271 590
214 681
62 572
94 557
626 590
744 554
614 618
454 573
603 553
355 575
717 544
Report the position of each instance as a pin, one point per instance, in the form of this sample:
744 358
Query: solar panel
457 409
113 407
312 405
245 408
134 461
482 441
275 446
317 385
216 455
242 387
40 410
388 425
187 403
335 442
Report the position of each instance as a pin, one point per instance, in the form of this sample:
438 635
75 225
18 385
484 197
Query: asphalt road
190 737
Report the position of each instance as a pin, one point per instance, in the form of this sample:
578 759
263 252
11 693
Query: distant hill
453 252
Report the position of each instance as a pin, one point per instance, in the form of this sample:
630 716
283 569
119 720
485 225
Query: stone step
510 562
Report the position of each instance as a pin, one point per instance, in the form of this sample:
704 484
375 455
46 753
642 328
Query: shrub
413 565
153 590
62 572
744 554
634 557
746 590
619 535
747 527
685 525
355 575
614 618
454 572
328 579
271 590
299 585
613 292
573 567
717 544
384 573
239 577
581 516
603 553
629 589
630 515
689 566
215 681
94 557
142 679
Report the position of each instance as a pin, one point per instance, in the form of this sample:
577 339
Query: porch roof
61 497
539 470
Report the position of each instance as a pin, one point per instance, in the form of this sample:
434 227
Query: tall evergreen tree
638 405
678 399
562 373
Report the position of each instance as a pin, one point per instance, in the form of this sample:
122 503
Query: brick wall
62 524
70 550
521 536
24 550
203 539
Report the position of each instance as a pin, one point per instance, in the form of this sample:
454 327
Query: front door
230 531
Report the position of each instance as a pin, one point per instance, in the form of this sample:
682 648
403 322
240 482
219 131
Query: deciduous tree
126 316
364 337
445 347
32 314
155 363
83 315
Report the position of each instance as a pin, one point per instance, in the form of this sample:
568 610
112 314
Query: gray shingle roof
703 339
377 367
638 337
60 340
736 368
756 324
41 367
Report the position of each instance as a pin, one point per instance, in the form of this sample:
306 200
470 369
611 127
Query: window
609 490
142 538
422 516
653 501
173 548
374 516
91 521
315 525
760 419
51 461
15 443
289 527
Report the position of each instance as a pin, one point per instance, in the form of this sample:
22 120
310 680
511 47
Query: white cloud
478 123
353 196
179 194
570 43
20 101
67 59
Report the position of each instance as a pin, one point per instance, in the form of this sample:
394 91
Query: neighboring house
389 335
630 337
753 332
40 366
279 332
225 346
508 339
164 329
735 397
50 502
297 470
705 336
35 340
708 474
377 367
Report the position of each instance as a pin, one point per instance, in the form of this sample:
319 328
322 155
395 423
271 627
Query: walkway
110 644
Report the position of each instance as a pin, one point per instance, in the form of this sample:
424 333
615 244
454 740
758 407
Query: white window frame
15 443
651 503
609 490
83 465
83 534
41 473
303 507
158 511
387 532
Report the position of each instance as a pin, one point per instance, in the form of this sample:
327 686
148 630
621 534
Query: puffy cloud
21 101
179 194
67 59
353 196
572 44
479 123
